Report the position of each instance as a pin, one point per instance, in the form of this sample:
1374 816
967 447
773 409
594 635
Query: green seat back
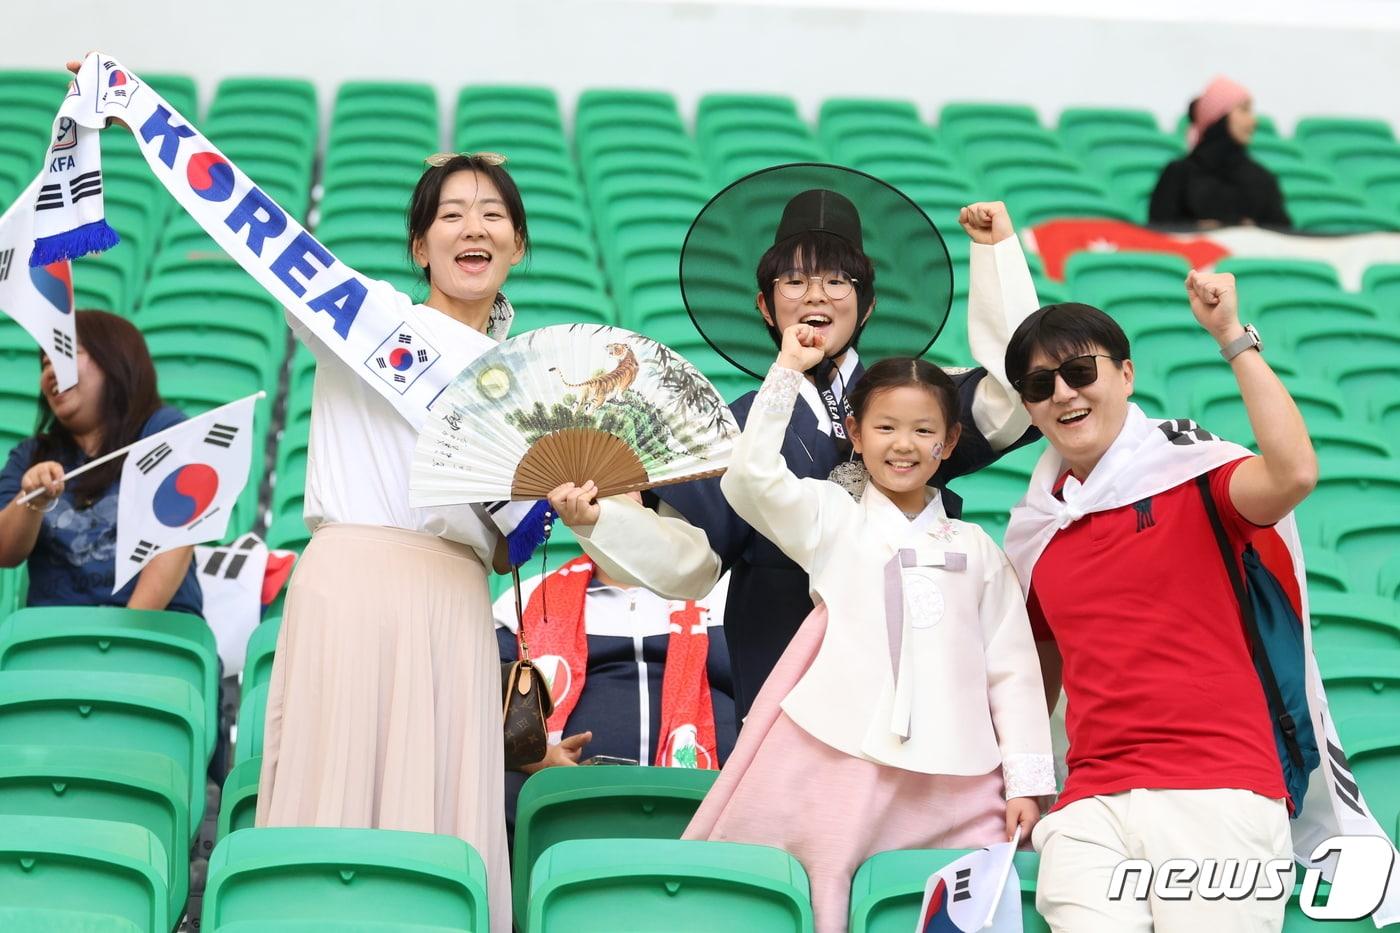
888 889
252 712
334 876
602 802
112 784
115 640
140 712
663 884
61 873
238 804
262 644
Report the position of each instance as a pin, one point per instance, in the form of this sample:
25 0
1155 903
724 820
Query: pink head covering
1220 97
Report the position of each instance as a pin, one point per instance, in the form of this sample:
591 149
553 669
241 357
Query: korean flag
980 891
232 580
179 486
39 298
401 358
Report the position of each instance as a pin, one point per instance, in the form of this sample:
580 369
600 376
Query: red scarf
687 733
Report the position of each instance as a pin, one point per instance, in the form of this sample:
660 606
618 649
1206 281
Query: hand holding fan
570 403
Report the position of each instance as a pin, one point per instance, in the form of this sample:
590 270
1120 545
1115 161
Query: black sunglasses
1078 372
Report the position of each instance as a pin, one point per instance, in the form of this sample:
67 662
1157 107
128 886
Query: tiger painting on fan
607 386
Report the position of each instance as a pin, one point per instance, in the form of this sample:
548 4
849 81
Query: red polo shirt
1157 671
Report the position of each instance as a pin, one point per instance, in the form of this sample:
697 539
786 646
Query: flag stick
91 464
1005 874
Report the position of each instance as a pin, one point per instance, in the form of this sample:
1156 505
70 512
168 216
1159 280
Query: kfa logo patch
401 358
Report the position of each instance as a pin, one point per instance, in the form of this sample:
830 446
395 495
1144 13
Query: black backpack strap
1251 627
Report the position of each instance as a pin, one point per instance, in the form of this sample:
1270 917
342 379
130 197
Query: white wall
1299 57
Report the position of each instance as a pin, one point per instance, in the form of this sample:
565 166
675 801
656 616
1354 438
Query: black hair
423 205
1061 331
817 251
129 399
899 371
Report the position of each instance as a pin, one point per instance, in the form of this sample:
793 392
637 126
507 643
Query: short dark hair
129 399
899 371
1060 331
817 251
423 205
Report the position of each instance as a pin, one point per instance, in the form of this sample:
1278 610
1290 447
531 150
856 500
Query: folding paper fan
570 403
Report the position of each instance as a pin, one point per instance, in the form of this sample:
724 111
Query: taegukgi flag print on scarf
178 486
1147 458
355 316
38 297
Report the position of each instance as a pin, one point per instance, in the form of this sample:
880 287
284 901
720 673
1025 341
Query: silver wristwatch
1245 341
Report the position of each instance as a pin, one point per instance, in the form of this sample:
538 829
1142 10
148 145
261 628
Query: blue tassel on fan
70 244
530 533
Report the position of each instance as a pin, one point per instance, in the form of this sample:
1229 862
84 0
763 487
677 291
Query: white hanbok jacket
928 663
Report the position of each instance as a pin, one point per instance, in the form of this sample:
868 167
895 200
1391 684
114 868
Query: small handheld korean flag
980 891
40 298
232 580
179 486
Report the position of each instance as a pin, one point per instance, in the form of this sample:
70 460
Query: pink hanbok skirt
782 787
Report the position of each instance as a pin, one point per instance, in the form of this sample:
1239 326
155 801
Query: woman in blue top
68 535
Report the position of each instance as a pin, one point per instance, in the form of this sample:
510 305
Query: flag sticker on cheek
401 358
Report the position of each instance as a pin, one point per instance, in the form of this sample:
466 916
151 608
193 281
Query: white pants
1081 844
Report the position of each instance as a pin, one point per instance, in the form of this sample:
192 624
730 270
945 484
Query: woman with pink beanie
1218 184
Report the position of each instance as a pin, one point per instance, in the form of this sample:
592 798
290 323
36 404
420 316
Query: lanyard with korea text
359 319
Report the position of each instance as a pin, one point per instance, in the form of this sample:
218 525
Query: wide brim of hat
913 272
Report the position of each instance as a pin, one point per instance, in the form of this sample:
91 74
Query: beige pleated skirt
384 708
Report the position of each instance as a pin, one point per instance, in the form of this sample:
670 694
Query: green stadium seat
634 108
1372 743
962 118
1343 484
1388 578
238 803
343 879
239 358
1075 121
14 582
67 875
1325 136
1363 536
1285 314
1031 143
602 802
1327 573
1384 411
1263 279
1339 215
1327 341
139 712
888 889
1362 684
291 96
1353 622
252 713
1092 277
1381 285
146 790
610 884
119 641
288 532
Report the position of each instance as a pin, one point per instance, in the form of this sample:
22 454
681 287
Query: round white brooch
923 599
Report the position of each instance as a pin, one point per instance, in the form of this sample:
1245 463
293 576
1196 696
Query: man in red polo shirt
1172 752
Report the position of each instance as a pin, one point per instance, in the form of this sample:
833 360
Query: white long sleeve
660 551
1002 296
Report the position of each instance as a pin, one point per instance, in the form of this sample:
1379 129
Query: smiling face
79 409
1082 423
903 437
472 244
834 319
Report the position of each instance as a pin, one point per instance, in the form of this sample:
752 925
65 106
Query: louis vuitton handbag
526 703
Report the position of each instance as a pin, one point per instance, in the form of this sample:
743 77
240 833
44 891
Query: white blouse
967 696
360 449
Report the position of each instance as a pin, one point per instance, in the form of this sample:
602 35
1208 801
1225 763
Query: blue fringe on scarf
70 244
529 534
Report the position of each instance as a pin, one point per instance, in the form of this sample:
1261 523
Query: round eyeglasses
794 285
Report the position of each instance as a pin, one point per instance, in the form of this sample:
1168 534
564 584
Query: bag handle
1251 627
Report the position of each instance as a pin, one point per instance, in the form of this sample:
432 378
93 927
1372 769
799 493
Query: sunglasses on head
1078 372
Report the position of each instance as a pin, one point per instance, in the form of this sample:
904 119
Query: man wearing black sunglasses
1172 752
